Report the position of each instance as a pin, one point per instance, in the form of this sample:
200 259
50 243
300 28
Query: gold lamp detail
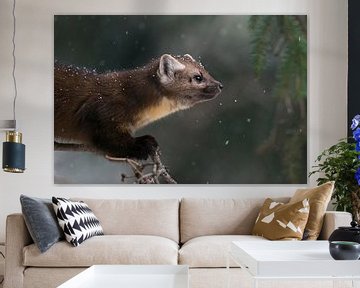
13 149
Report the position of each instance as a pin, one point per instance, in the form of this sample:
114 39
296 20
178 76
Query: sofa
190 231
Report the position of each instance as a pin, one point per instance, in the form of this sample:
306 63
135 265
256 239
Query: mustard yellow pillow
319 198
279 221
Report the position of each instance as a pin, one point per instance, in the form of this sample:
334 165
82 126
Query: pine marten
103 110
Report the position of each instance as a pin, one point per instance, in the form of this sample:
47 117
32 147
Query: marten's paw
145 147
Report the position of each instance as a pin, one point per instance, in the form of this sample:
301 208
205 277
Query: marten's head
186 81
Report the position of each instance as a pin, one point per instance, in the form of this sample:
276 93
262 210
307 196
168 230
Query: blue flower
357 176
355 126
356 134
355 122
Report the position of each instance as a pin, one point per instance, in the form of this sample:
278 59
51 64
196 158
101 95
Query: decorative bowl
344 250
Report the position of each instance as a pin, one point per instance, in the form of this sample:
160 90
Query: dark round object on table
344 250
353 223
347 233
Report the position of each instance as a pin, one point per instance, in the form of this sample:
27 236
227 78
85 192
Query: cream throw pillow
319 198
279 221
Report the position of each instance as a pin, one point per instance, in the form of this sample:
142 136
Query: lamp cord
14 61
2 280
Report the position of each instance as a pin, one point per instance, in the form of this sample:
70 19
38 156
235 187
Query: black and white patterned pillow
77 220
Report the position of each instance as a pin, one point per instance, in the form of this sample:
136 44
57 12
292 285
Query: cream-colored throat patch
157 111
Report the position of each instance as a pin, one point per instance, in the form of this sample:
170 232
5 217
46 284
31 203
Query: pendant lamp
13 160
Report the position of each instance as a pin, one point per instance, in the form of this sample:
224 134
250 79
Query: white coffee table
292 260
131 276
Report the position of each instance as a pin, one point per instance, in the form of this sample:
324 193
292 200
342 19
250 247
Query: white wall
327 67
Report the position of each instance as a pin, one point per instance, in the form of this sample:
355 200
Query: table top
291 259
131 276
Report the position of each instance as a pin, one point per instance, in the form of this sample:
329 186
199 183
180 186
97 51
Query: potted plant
341 163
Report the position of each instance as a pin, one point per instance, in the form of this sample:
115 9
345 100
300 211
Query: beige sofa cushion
211 251
137 217
107 249
200 217
319 198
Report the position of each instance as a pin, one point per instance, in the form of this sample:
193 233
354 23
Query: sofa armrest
333 220
17 237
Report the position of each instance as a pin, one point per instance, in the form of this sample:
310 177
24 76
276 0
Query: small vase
346 233
343 250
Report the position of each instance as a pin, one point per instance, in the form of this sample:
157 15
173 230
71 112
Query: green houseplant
341 163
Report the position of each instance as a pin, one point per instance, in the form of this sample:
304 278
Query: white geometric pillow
77 220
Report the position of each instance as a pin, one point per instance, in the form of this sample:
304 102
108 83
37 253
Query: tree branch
158 173
161 169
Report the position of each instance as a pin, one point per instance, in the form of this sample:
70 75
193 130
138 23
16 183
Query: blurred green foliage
284 38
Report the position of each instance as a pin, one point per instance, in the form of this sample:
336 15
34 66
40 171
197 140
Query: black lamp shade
13 157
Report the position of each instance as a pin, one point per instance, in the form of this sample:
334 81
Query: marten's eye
198 78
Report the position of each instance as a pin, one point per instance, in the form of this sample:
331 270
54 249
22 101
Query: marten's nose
221 86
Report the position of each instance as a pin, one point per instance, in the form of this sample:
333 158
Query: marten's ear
167 67
190 57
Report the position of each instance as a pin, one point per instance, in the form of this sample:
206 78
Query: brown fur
103 110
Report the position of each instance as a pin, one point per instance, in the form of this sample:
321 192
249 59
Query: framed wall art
186 99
